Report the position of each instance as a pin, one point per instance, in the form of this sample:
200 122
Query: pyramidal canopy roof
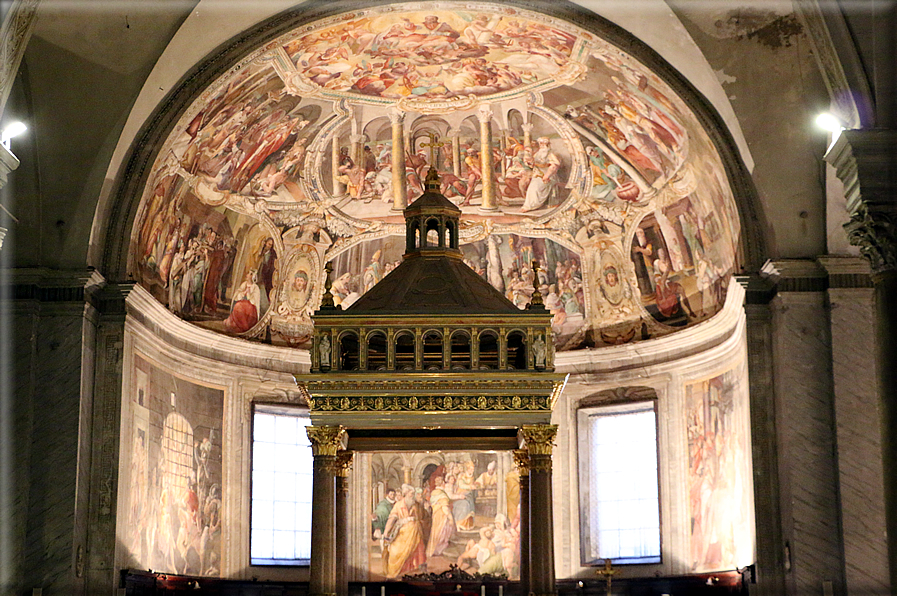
432 200
435 284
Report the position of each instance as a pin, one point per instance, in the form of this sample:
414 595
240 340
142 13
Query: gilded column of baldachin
326 442
538 440
521 460
343 466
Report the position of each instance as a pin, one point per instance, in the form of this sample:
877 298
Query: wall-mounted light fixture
12 129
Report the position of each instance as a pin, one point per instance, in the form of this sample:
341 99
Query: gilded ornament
521 460
325 440
539 438
344 462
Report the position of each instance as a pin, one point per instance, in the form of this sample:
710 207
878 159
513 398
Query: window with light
619 494
281 487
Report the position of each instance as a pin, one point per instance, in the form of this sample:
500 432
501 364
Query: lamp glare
830 123
13 129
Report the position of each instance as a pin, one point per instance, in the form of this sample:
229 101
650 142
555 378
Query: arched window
488 350
376 351
404 351
450 235
516 350
433 239
433 350
348 351
460 358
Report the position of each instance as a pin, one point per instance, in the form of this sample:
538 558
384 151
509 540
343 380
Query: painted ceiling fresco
557 146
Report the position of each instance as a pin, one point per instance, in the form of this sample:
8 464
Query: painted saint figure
542 187
244 312
403 537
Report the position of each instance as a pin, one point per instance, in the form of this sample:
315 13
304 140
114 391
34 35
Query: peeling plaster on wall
723 78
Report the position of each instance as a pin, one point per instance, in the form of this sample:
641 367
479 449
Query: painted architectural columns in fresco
399 182
484 114
456 151
864 163
537 440
326 442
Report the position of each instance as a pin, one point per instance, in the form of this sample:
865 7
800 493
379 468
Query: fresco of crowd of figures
557 146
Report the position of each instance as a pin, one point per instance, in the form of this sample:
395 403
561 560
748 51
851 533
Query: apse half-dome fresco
557 146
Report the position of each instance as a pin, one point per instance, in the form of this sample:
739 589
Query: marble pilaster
857 415
805 423
770 568
864 162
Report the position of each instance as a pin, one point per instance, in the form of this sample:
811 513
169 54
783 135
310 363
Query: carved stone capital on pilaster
344 462
521 460
326 440
537 439
876 235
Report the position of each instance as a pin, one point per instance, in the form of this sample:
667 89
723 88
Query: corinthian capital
396 116
484 113
326 440
538 439
344 462
876 236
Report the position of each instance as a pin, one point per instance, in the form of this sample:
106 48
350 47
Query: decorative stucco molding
14 36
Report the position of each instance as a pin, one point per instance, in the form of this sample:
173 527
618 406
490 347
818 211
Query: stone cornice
54 285
838 61
846 271
866 163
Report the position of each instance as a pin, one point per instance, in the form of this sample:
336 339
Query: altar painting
433 510
173 521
